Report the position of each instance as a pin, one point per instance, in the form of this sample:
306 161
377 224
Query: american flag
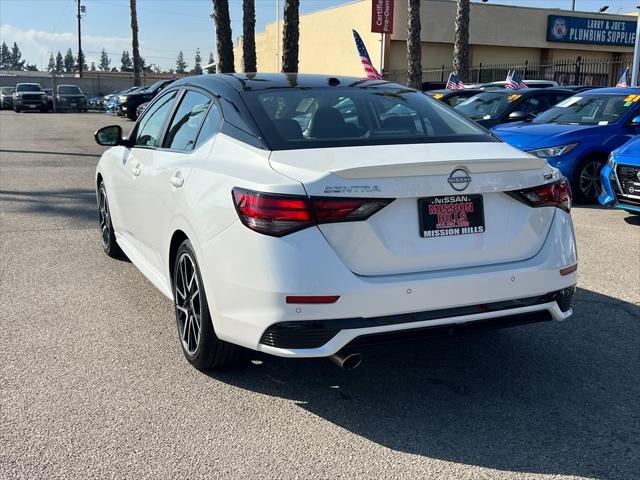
454 82
369 70
514 81
622 81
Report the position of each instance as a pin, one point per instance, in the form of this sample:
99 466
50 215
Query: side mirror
518 116
109 136
635 121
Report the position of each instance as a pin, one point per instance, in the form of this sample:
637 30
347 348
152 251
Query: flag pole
381 53
636 54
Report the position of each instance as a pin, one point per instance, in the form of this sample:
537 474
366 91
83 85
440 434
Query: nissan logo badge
459 179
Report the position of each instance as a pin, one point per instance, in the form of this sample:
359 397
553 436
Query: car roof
531 81
525 91
613 90
243 82
462 90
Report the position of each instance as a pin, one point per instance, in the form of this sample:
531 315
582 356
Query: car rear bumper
247 293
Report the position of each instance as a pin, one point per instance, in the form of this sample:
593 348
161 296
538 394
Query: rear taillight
329 210
278 215
556 194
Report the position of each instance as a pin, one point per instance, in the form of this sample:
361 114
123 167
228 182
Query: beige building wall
326 42
487 54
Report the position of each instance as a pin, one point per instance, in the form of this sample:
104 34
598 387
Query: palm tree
461 41
291 36
414 45
134 43
249 35
224 42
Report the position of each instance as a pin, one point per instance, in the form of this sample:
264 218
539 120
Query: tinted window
7 90
329 117
28 87
486 106
454 100
68 90
152 122
532 105
211 124
156 87
186 122
589 109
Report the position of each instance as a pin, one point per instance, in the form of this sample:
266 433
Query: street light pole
573 5
80 56
636 54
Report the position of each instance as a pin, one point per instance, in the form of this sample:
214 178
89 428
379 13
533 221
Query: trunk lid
392 241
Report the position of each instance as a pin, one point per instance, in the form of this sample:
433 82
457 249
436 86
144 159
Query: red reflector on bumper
313 299
567 270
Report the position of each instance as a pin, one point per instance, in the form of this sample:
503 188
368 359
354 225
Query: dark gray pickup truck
70 97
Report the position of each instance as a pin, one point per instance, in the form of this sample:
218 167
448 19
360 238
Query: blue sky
166 26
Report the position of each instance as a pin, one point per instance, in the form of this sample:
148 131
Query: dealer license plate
451 215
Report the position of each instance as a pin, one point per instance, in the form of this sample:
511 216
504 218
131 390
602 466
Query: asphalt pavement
93 383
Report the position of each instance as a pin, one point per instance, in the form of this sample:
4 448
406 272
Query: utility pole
80 56
573 5
636 54
277 35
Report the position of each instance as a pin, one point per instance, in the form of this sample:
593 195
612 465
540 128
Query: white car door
164 173
136 183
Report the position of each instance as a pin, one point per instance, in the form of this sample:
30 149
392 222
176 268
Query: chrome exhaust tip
346 360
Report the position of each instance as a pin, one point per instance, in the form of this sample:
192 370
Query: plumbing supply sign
382 16
594 31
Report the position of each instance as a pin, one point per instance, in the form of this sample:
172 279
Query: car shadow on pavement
43 152
632 219
548 398
77 205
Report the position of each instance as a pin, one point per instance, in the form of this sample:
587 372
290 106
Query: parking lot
93 383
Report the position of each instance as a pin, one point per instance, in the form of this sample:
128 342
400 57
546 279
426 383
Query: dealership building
540 42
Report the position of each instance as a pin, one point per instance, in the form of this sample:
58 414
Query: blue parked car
621 178
578 134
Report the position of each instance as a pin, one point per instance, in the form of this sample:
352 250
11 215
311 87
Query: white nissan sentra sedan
308 216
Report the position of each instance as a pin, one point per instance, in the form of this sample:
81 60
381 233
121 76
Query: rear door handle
136 171
177 180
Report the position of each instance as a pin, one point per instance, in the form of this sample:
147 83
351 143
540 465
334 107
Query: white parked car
306 216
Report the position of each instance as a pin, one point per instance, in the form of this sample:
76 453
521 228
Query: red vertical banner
382 16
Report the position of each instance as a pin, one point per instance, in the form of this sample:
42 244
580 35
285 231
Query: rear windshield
68 90
28 87
335 117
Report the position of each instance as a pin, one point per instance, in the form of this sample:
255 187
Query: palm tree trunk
461 41
414 45
249 35
134 43
291 36
223 36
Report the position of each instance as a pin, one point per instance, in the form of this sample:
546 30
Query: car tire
44 109
17 110
200 345
108 236
132 116
585 185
